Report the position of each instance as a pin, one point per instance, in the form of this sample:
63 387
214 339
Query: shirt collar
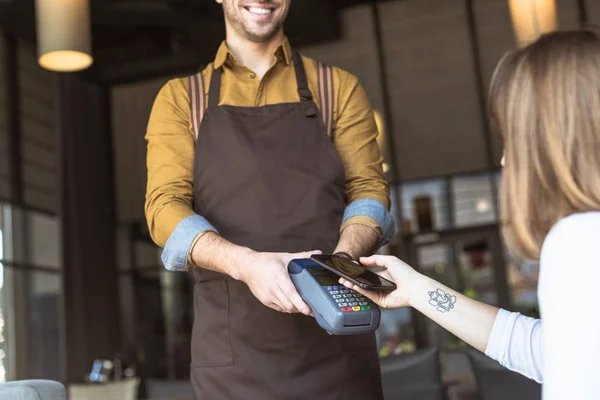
225 56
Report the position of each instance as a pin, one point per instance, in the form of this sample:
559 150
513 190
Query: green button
365 308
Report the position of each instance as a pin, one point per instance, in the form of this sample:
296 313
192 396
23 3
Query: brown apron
269 178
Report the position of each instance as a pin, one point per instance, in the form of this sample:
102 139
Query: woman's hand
396 271
470 320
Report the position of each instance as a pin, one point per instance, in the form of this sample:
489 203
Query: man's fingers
307 254
289 290
299 303
287 257
274 306
284 302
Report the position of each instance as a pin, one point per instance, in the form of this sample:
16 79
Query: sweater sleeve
516 343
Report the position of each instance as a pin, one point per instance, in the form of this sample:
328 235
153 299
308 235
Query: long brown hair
545 105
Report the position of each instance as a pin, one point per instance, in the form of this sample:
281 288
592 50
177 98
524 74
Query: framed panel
473 200
438 126
45 327
496 37
44 241
130 110
424 206
37 89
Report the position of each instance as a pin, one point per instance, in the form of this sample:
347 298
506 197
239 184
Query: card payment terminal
337 309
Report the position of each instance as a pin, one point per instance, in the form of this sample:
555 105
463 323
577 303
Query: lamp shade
64 35
532 18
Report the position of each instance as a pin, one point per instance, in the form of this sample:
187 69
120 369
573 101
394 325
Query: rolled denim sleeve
374 210
178 246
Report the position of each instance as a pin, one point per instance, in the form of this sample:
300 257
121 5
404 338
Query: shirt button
252 76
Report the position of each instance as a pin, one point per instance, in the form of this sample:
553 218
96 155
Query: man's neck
258 57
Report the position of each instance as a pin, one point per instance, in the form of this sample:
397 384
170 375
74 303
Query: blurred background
80 279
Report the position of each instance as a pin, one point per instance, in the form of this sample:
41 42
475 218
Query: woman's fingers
371 295
374 261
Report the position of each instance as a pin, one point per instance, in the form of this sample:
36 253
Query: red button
346 309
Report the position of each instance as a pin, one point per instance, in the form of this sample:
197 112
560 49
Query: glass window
12 222
44 333
473 201
522 279
436 261
477 270
1 229
35 238
424 205
5 219
395 334
3 348
44 240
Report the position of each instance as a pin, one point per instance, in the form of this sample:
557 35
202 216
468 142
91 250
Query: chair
413 376
494 382
32 390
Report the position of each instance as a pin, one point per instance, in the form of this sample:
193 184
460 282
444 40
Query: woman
545 104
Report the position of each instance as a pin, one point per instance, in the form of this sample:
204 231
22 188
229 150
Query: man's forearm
213 252
358 240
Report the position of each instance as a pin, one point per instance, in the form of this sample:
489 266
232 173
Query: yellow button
356 308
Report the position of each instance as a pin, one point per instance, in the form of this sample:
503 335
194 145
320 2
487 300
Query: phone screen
354 272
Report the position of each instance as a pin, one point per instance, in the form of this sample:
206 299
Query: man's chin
260 36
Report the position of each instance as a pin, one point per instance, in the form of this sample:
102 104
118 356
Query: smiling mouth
259 10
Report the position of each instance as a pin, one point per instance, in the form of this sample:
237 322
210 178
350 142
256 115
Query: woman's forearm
468 319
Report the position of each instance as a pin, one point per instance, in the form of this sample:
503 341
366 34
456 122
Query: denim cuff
374 209
178 246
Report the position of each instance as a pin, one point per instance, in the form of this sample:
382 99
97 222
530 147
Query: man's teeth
261 11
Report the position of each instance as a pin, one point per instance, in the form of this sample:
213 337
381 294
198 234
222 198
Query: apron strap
197 94
214 91
326 95
306 99
197 101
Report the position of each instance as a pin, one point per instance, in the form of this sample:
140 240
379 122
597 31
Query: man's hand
267 277
265 273
357 241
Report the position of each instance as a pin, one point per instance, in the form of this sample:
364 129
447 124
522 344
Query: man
243 176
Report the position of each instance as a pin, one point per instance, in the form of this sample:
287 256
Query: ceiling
134 40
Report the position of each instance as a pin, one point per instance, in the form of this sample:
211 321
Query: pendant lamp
64 35
532 18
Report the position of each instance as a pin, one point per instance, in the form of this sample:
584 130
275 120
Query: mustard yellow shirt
171 143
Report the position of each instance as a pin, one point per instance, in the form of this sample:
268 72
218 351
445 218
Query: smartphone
354 272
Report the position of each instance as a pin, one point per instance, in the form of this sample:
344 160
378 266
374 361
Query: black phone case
360 284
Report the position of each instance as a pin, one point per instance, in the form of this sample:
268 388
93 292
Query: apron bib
269 178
